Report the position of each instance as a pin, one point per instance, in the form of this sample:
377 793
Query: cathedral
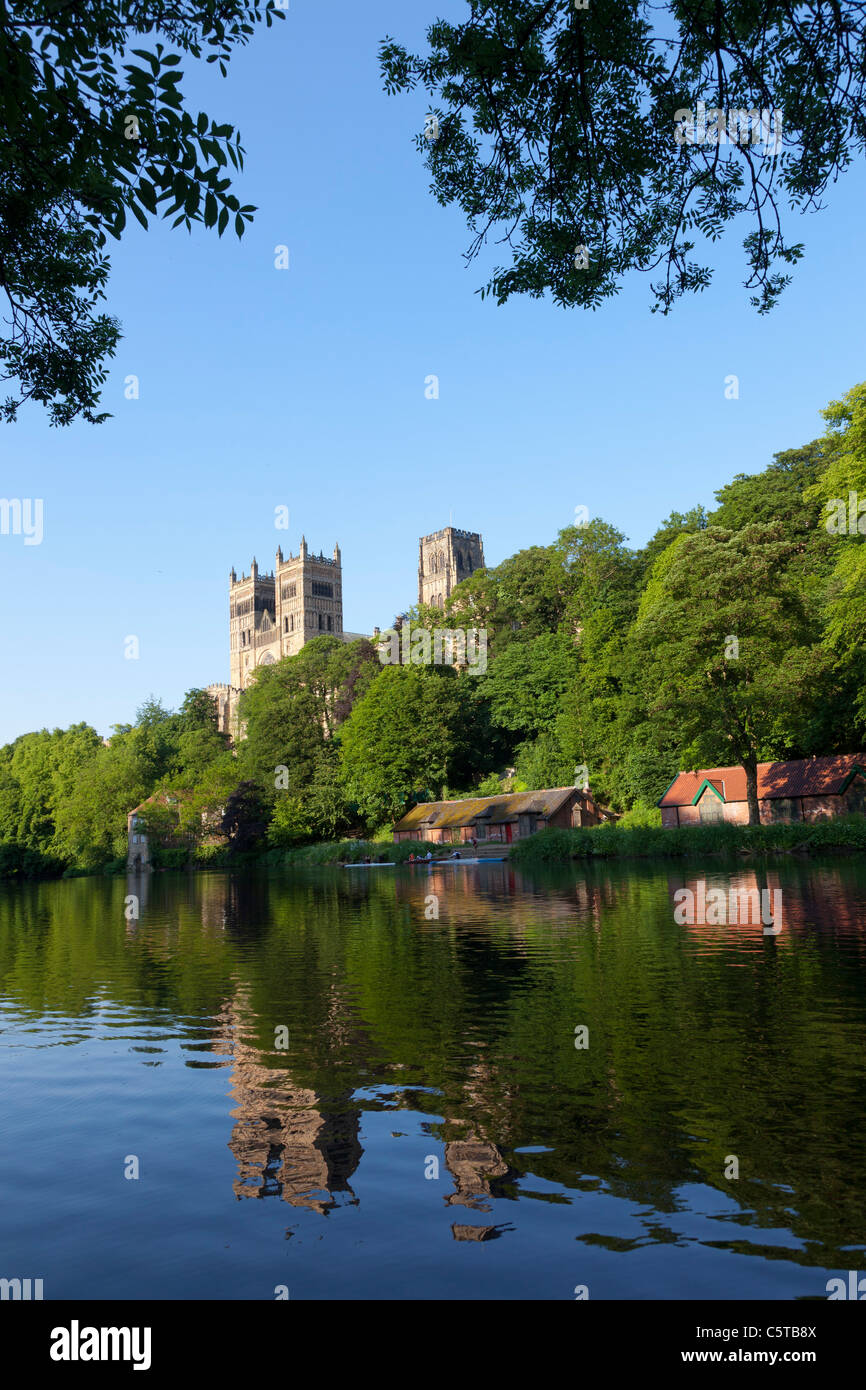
273 615
445 558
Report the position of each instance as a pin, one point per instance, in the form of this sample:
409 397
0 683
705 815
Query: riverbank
357 851
609 841
18 863
547 847
653 842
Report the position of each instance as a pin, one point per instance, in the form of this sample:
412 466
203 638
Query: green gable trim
855 772
667 789
702 788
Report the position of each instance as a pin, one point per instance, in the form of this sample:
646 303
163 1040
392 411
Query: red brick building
498 819
811 789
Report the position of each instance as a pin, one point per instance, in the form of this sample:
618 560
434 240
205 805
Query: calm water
428 1127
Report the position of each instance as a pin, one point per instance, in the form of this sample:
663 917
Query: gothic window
292 621
330 623
322 590
321 622
459 559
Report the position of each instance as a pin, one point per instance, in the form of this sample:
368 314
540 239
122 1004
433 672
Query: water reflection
706 1039
284 1146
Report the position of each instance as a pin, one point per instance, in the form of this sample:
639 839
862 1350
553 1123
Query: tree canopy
93 129
593 139
729 659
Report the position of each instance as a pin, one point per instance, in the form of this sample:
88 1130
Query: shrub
356 851
16 861
648 841
211 856
170 857
640 815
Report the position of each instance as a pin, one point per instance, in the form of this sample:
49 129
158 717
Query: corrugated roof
805 777
493 808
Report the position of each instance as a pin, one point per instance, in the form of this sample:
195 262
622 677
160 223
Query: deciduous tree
94 129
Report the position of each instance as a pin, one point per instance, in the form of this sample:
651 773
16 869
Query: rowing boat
428 863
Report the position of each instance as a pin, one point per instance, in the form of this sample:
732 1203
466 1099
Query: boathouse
498 820
810 789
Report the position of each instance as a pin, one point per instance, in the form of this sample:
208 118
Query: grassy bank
18 863
548 847
651 842
355 852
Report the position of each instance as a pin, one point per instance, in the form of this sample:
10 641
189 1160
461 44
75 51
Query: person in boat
429 856
412 857
456 854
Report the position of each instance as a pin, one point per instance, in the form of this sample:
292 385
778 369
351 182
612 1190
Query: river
459 1082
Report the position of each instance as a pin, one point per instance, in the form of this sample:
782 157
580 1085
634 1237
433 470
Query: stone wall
444 559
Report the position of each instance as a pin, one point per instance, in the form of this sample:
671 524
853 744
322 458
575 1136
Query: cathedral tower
273 615
445 558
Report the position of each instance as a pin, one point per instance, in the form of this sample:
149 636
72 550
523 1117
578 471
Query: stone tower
273 615
444 558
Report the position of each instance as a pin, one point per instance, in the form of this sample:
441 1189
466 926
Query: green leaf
147 195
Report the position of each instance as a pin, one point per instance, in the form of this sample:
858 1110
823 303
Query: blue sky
305 388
